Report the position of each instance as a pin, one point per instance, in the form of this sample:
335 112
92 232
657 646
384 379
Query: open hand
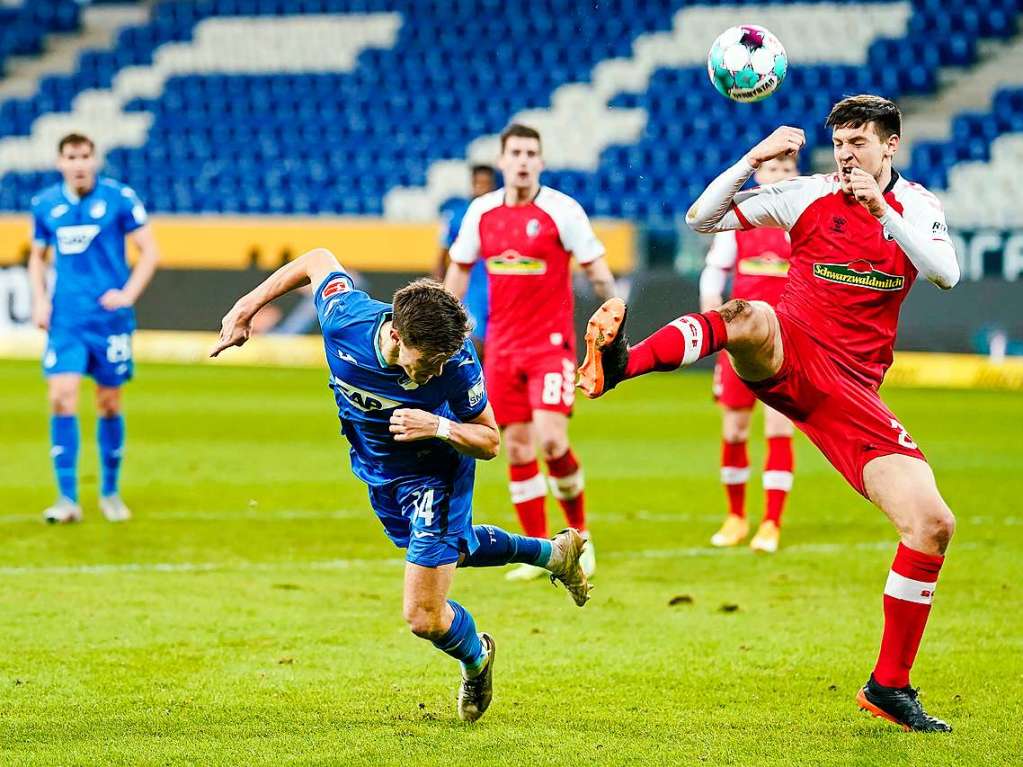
409 424
784 142
865 189
235 329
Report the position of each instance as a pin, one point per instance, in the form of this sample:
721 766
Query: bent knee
426 624
553 447
748 322
934 526
63 402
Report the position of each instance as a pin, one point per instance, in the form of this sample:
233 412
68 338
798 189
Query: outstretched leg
747 329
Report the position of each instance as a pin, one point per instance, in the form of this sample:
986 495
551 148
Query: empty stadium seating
216 132
23 26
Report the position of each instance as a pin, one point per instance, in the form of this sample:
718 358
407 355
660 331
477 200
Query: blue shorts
430 517
100 350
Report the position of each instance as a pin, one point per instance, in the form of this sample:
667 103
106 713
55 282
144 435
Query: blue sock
461 642
499 547
64 452
110 433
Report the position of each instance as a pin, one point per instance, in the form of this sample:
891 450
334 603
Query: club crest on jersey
532 227
98 209
366 401
407 383
512 262
859 274
887 235
335 286
72 240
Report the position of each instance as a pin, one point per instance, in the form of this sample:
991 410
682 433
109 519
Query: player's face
778 169
482 183
77 164
861 147
521 162
418 365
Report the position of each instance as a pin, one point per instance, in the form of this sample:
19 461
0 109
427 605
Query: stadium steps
579 124
930 119
100 25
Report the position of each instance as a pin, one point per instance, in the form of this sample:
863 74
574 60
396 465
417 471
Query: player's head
484 179
778 169
521 156
77 161
429 325
865 133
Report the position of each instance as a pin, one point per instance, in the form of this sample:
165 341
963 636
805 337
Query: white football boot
114 509
63 512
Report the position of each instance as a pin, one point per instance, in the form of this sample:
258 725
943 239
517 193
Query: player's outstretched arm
312 267
712 210
479 438
601 278
456 279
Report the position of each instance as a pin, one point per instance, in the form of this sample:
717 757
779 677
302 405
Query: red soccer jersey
759 260
527 250
848 277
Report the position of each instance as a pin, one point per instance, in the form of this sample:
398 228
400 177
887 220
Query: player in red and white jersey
860 237
758 262
527 235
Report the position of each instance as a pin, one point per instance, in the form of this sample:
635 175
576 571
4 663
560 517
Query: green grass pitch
250 613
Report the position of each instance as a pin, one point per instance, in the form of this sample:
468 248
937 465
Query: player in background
413 406
526 235
483 179
89 318
860 237
758 260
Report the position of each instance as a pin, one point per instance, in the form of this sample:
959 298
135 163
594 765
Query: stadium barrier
266 242
910 370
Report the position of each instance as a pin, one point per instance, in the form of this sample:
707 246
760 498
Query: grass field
250 614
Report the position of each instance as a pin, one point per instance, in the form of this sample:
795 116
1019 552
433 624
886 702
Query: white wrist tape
443 428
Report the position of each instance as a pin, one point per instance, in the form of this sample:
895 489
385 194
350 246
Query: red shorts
844 417
731 391
519 382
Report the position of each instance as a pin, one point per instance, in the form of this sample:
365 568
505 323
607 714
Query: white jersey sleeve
922 234
724 250
574 228
466 247
722 206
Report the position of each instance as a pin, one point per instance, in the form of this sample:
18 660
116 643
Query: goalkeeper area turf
250 613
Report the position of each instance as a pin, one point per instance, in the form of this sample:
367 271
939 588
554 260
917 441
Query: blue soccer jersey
477 294
422 490
87 235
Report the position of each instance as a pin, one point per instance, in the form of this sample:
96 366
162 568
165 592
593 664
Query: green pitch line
250 613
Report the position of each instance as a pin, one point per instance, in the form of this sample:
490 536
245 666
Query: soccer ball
747 63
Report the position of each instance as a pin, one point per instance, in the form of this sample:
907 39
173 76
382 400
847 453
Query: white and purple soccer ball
747 63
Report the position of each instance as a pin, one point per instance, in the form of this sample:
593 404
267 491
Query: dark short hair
75 139
520 131
488 169
857 111
429 318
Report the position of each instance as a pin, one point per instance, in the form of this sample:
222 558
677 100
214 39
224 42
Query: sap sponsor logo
98 209
59 210
476 392
72 240
366 401
335 286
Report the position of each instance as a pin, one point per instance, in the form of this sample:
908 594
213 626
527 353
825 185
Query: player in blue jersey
483 180
413 406
84 221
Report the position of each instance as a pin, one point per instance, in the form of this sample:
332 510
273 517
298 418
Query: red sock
680 342
529 494
907 603
734 475
566 481
777 477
